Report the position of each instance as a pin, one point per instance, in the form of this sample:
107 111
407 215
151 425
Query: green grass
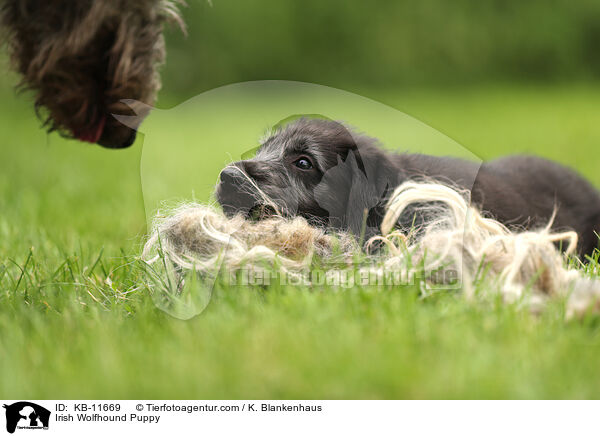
76 320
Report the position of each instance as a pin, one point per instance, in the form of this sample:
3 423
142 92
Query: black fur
352 178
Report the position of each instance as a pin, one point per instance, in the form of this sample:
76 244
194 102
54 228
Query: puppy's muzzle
235 192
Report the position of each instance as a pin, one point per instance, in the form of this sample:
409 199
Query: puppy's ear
347 194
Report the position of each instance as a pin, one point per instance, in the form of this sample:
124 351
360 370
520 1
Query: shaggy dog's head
82 58
314 168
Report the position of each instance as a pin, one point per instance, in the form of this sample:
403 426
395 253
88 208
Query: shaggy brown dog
82 57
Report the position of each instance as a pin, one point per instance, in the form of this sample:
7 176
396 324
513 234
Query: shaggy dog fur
82 57
334 177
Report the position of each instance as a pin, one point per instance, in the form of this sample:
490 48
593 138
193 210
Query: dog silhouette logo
26 415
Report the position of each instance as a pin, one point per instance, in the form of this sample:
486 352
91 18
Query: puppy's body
322 171
522 192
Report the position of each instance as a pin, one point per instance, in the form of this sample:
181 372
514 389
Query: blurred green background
498 77
360 46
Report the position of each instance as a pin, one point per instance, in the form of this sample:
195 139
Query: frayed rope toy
522 266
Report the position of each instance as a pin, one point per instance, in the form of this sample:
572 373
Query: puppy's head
314 168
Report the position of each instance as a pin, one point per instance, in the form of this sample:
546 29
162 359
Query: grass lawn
76 322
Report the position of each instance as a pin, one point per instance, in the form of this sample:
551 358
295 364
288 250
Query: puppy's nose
229 174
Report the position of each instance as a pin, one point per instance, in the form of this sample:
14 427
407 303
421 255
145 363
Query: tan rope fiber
458 238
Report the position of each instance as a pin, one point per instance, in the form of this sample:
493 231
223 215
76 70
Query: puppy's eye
304 163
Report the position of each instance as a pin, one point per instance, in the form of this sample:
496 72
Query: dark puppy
336 178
